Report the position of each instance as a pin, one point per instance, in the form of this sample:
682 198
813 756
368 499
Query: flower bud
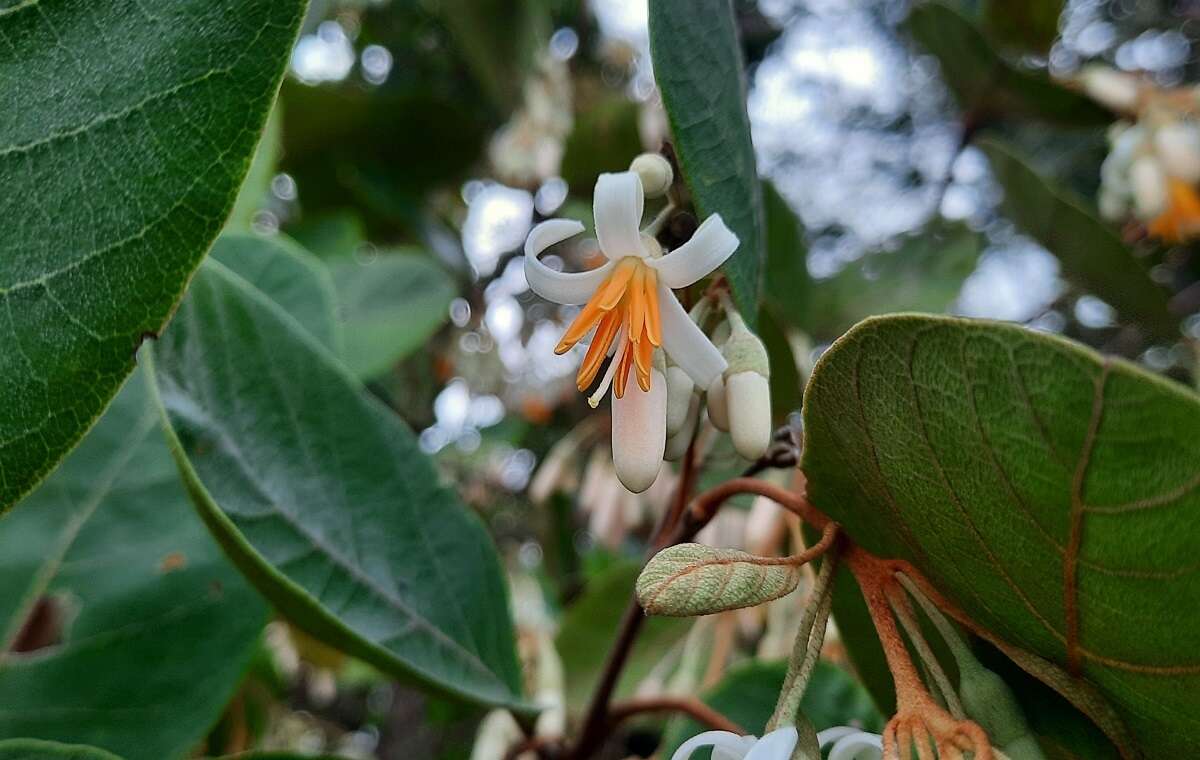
1178 147
677 444
680 390
714 400
655 172
639 432
1114 89
747 391
1149 187
748 395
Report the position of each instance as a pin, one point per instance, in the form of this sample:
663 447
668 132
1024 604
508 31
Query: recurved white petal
737 745
777 745
859 746
639 432
560 287
617 206
710 246
686 344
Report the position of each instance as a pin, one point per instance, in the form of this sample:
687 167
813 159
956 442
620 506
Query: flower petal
686 344
639 432
617 206
711 245
723 739
777 745
858 746
831 735
560 287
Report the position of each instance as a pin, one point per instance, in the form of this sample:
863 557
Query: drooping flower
630 311
844 743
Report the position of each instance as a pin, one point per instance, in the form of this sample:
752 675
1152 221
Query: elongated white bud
748 396
1114 89
677 444
1178 147
655 172
1149 187
680 390
639 432
718 410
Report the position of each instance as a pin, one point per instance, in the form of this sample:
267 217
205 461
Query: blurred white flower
844 743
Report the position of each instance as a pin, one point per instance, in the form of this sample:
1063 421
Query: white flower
844 743
630 311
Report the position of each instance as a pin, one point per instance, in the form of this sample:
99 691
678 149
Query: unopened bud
1149 187
639 432
655 172
1178 147
680 390
1109 87
748 396
747 391
677 444
714 401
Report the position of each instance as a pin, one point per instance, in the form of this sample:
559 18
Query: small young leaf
694 579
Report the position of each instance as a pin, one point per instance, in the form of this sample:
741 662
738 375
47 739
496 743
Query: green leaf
984 83
118 612
693 579
338 233
748 693
256 189
788 280
126 132
1047 491
1091 253
324 500
35 749
925 274
589 629
698 64
287 274
389 305
1030 25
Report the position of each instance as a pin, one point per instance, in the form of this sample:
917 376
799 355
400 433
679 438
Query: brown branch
691 707
678 525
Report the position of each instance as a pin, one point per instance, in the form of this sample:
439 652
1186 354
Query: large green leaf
1049 492
324 500
1091 253
987 85
35 749
589 629
290 276
126 131
107 556
748 693
256 189
698 64
389 305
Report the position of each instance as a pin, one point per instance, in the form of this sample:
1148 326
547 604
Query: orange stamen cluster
626 304
1181 220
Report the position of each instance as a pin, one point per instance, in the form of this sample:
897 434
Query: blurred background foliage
908 154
